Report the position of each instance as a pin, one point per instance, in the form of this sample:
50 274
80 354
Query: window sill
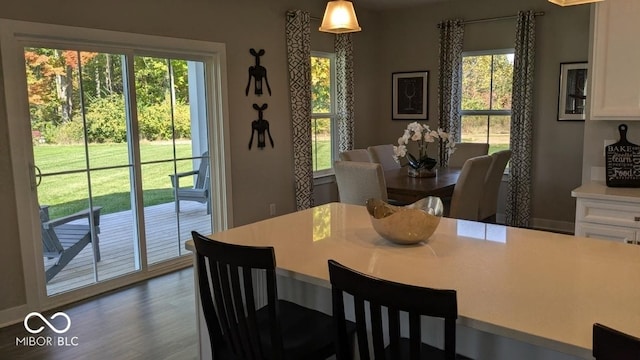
325 178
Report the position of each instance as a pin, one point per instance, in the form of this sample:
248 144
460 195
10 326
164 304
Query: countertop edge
598 190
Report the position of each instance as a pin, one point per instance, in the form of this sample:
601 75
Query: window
486 98
323 124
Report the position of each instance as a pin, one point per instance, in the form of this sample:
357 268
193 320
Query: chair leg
177 205
96 249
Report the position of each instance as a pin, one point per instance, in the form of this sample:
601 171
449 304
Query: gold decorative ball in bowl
405 225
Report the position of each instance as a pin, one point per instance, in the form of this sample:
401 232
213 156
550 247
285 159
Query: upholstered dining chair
361 155
468 190
489 202
464 151
239 326
383 155
392 299
611 344
358 181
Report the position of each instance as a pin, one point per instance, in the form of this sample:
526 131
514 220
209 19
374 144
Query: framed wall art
572 95
410 95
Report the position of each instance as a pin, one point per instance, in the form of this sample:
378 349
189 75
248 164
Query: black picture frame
409 99
572 92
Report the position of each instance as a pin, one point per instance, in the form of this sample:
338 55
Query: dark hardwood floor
154 319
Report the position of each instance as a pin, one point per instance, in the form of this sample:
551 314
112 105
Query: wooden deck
118 243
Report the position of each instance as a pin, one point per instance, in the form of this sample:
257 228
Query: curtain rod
497 18
292 14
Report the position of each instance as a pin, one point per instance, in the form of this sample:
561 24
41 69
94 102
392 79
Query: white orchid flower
414 127
424 136
399 151
428 137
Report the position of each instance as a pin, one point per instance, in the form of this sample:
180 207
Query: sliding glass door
121 152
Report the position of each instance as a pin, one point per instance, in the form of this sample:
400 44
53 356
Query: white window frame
332 114
487 113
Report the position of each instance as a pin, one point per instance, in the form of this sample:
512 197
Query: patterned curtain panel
299 62
450 82
518 209
344 91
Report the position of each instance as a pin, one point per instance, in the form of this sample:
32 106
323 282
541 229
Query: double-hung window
323 112
487 79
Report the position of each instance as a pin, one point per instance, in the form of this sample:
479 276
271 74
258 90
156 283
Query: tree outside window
487 79
323 136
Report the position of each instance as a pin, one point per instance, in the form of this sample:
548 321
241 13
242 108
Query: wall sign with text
622 162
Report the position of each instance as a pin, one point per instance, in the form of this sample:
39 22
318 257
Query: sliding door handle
36 177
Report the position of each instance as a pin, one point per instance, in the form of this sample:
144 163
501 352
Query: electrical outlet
272 209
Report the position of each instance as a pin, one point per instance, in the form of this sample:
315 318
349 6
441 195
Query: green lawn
68 193
321 155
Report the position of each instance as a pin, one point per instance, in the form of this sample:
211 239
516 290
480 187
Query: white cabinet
608 213
615 52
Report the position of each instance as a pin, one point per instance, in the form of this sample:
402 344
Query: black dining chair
611 344
395 298
239 328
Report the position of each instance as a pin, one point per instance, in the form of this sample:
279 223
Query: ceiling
388 4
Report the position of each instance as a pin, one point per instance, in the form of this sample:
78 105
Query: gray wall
391 41
409 41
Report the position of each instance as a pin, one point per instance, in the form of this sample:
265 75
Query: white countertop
539 287
599 190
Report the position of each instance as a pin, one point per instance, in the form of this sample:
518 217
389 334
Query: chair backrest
383 155
228 299
489 202
465 151
359 181
202 180
611 344
355 155
395 298
468 191
51 246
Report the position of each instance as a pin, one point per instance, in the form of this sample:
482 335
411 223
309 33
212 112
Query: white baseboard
546 224
13 315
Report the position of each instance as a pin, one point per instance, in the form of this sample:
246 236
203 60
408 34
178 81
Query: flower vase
421 172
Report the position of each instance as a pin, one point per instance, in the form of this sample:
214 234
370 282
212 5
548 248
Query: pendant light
340 17
572 2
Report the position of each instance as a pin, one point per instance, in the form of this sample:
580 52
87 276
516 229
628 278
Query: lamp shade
340 17
572 2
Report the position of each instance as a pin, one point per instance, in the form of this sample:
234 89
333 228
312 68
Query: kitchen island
522 294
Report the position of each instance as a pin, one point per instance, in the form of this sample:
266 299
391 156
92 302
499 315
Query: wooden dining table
406 189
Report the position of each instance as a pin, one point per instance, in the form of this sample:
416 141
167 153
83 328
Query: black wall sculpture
257 72
260 126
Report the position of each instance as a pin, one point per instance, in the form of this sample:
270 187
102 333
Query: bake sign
623 162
